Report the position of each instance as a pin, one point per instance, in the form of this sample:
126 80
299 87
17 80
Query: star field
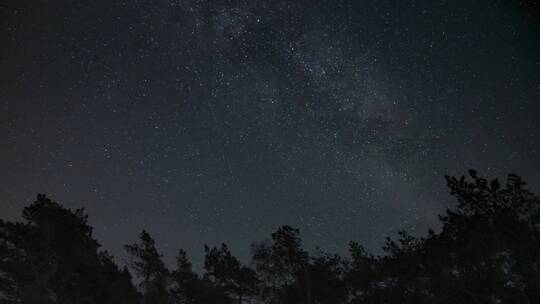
218 121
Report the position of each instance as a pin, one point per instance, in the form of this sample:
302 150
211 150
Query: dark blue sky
210 121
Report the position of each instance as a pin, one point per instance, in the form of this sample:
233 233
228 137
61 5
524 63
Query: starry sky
218 121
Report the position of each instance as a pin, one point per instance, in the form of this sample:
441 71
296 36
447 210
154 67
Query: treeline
487 251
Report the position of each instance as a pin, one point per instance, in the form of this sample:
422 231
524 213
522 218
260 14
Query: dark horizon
486 251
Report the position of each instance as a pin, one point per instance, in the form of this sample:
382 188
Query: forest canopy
486 251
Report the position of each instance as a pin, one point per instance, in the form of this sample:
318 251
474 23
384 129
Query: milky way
218 121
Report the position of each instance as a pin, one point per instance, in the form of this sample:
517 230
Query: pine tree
225 272
149 266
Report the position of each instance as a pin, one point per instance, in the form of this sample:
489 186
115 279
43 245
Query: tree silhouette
280 263
225 271
324 280
361 274
486 251
188 288
148 265
184 281
53 258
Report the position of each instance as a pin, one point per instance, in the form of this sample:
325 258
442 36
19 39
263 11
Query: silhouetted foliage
486 251
279 263
188 288
148 265
51 257
225 272
184 280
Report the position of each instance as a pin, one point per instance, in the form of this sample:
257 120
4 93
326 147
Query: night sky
219 121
